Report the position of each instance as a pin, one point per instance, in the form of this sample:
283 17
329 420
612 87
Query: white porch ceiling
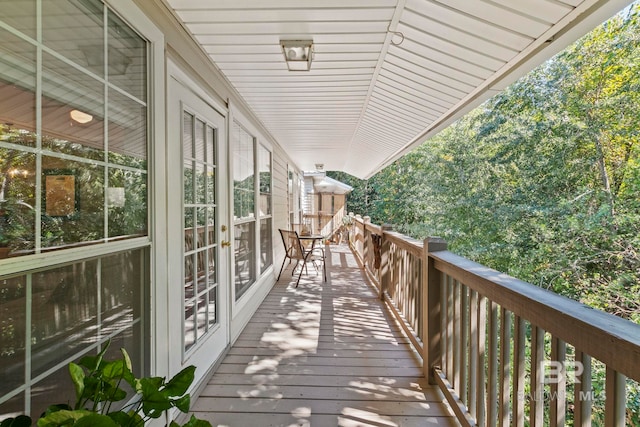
387 74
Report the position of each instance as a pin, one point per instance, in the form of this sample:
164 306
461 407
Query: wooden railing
504 352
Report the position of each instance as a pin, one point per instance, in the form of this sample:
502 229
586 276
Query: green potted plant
98 384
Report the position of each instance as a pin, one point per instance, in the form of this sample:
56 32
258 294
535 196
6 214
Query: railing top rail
608 338
413 246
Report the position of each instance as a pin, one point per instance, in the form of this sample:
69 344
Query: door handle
225 243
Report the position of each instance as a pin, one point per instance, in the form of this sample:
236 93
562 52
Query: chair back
292 244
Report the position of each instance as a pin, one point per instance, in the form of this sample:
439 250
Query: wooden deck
324 354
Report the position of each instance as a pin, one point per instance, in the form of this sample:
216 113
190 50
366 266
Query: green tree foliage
542 181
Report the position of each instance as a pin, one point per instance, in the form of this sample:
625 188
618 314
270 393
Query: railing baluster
559 383
457 337
492 354
582 398
615 405
519 370
450 315
464 343
505 366
481 377
444 320
536 417
473 353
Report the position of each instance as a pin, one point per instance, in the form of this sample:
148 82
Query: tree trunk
604 175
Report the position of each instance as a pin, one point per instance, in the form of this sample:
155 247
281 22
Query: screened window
266 244
73 172
252 172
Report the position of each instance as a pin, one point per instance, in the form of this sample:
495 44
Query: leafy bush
98 384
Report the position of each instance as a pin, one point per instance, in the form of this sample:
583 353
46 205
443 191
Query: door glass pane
212 306
198 141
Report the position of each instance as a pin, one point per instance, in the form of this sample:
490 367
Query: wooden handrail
610 339
473 326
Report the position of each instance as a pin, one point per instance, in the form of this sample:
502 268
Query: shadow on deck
324 354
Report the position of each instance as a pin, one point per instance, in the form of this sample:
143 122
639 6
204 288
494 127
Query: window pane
189 289
201 184
200 141
75 30
122 279
21 15
189 325
202 271
243 174
187 136
189 232
127 58
127 202
202 314
201 226
73 201
12 407
245 256
64 313
211 146
17 90
188 182
265 181
13 308
17 203
127 131
56 387
212 266
212 300
266 244
72 110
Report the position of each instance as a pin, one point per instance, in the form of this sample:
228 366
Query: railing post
431 306
366 242
385 262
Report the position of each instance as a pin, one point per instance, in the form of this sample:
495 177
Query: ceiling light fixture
80 116
298 54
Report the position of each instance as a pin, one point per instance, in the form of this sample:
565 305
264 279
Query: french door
198 231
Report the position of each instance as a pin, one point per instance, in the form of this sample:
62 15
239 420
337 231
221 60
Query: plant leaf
95 420
183 403
113 370
128 370
19 421
195 422
77 377
180 383
126 418
154 399
55 408
62 418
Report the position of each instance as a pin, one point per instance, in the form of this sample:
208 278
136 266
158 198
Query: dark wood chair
295 250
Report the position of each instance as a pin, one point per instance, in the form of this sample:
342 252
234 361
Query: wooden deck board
322 354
